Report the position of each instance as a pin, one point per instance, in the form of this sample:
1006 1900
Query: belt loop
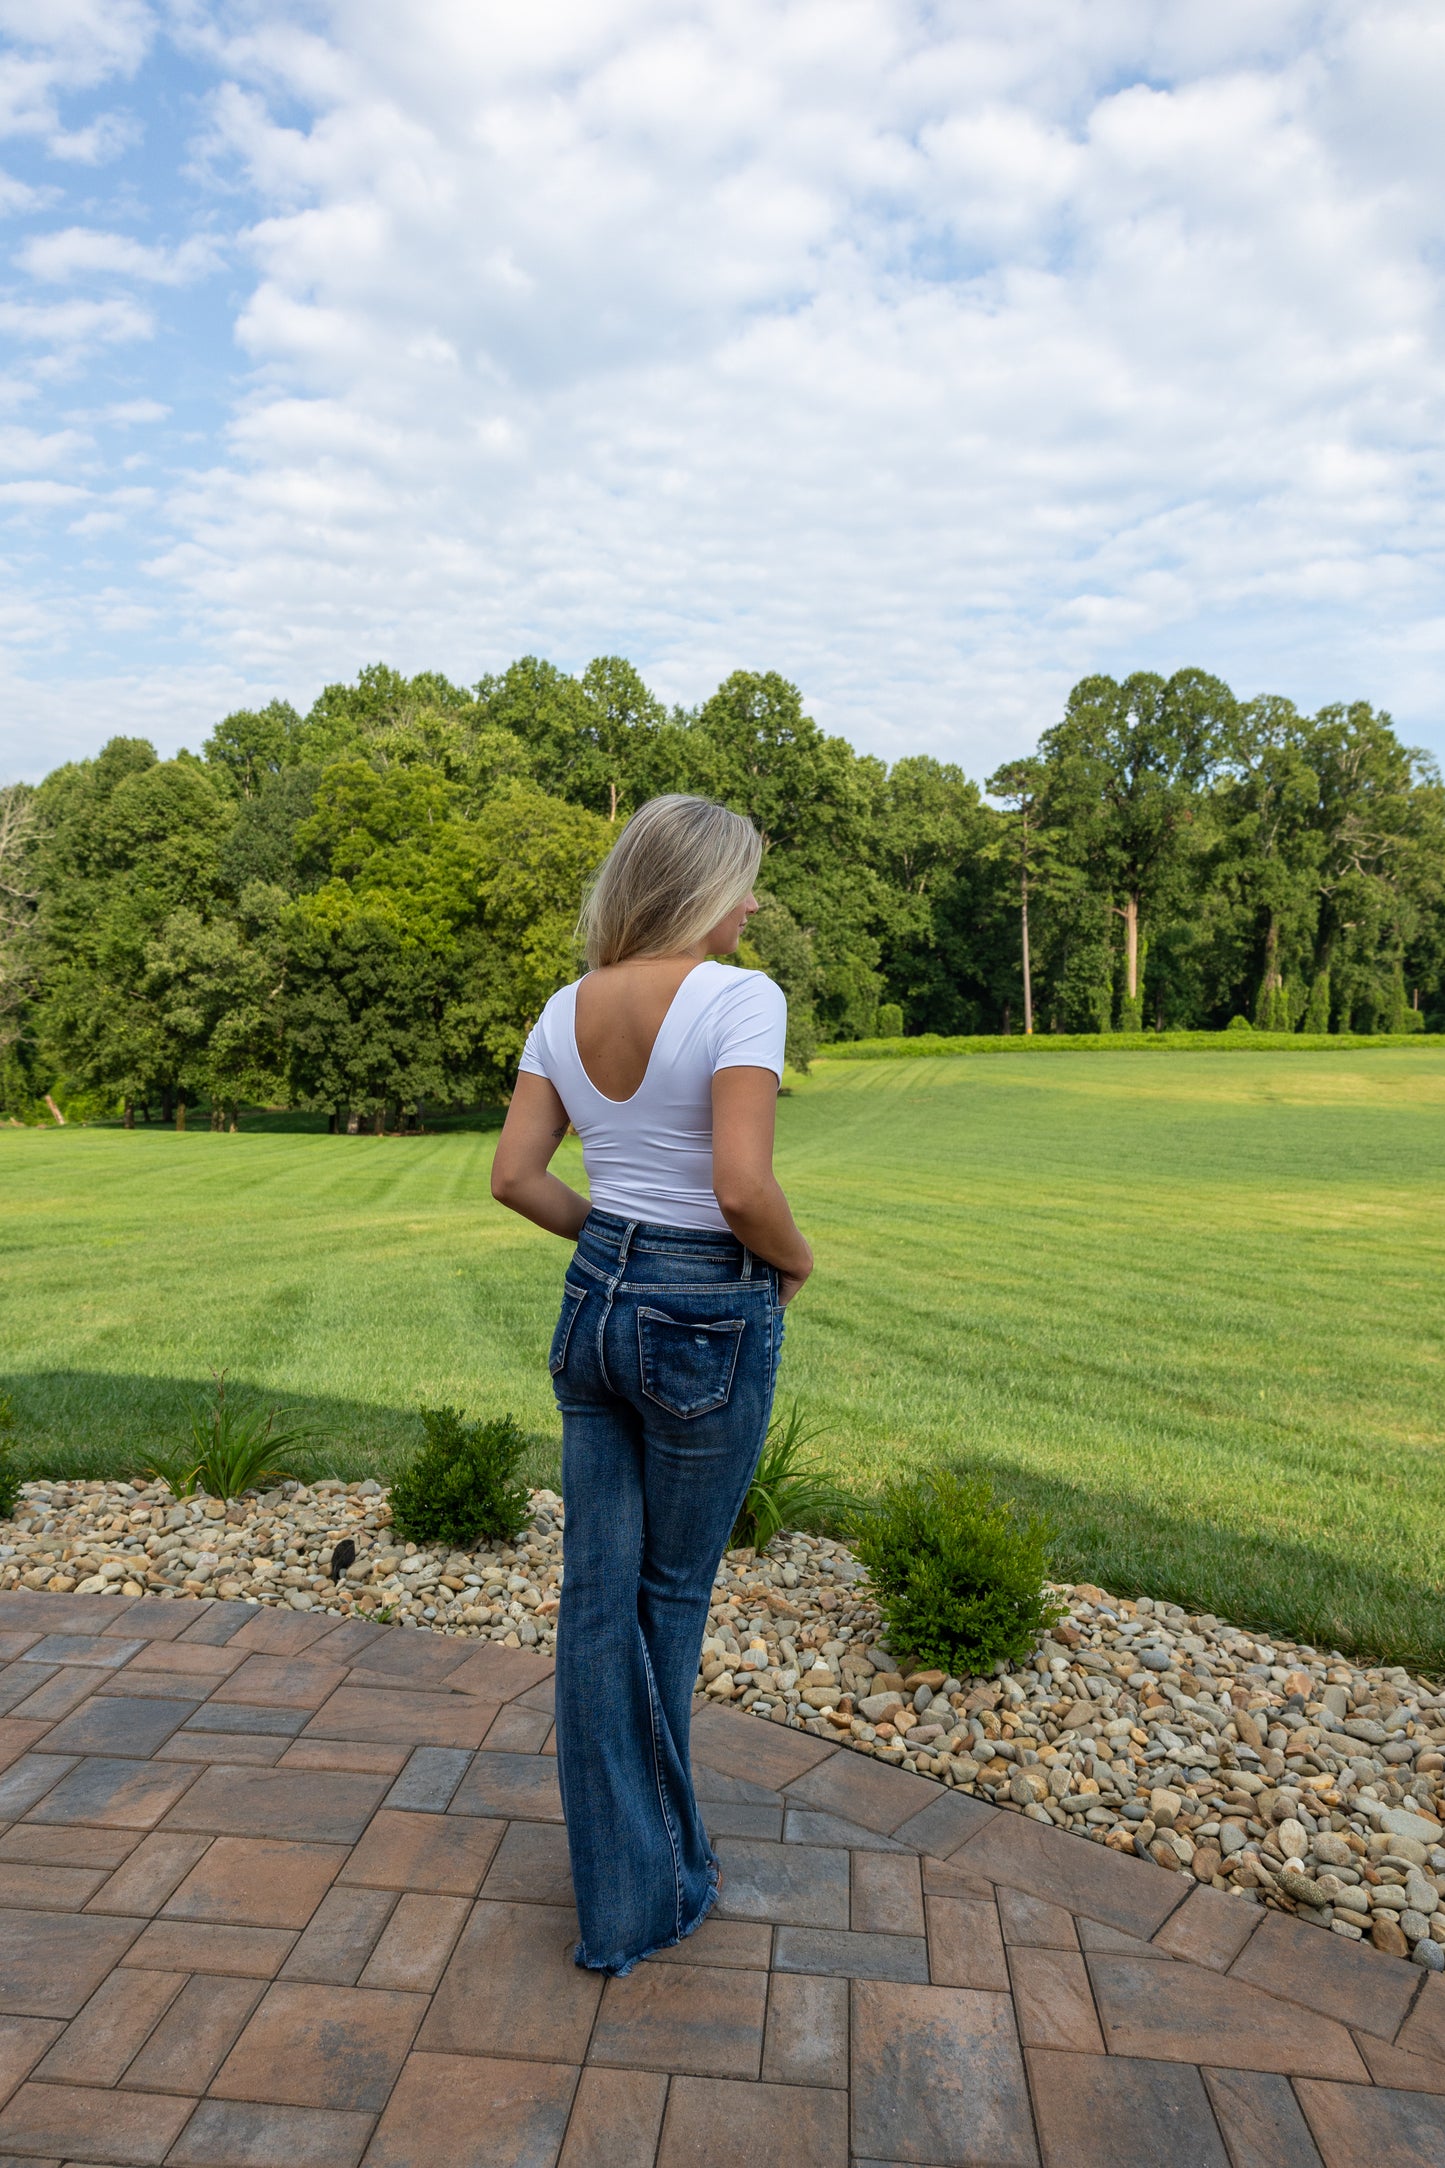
628 1232
747 1262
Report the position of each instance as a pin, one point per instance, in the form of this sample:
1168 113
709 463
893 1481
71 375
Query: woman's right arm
744 1112
536 1124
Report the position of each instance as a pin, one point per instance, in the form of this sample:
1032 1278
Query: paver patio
277 1888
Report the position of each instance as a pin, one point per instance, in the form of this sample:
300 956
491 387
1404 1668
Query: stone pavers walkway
277 1889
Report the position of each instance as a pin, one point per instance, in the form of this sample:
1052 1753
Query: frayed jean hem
619 1967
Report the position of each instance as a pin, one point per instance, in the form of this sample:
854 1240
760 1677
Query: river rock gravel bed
1288 1775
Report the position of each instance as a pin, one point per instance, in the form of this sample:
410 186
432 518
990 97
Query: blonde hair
677 866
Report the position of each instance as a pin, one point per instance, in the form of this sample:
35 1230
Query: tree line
362 909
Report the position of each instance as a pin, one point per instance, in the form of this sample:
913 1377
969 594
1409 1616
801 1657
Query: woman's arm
744 1111
536 1124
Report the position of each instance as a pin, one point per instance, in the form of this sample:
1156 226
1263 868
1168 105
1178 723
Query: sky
933 353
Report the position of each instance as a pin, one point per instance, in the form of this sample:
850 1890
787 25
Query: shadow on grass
93 1424
1365 1605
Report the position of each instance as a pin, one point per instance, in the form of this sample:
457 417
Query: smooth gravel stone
1423 1895
1400 1822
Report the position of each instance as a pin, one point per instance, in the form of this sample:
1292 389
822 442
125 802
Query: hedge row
1127 1042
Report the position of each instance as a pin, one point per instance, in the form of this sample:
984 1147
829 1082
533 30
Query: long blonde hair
677 866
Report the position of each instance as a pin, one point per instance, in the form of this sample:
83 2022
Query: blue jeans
663 1363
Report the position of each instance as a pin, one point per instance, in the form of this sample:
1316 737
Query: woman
666 1350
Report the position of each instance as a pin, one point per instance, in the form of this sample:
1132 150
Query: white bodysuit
650 1157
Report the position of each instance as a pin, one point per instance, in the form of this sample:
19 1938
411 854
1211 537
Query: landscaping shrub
233 1449
462 1487
10 1477
786 1492
957 1573
890 1021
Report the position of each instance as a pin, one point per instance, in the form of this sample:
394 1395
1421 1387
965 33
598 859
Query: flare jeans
663 1362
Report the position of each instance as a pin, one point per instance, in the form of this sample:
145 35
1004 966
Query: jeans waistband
609 1231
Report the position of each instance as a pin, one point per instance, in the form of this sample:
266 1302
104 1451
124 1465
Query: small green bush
10 1477
890 1021
462 1487
958 1574
232 1449
785 1491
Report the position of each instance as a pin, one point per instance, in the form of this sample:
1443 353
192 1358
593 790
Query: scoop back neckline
632 1097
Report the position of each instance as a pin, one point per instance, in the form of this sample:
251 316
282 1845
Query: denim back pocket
687 1366
572 1300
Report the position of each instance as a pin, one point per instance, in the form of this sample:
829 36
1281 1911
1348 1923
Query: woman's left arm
536 1124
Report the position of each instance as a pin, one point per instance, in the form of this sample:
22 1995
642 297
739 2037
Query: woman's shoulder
734 986
557 1012
747 1021
563 1001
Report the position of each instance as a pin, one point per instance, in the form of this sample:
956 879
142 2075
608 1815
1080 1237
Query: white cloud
933 354
78 251
64 47
99 142
129 413
40 496
115 512
75 323
17 196
29 450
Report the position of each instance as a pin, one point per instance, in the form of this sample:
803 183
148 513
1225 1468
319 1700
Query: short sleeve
534 1054
751 1027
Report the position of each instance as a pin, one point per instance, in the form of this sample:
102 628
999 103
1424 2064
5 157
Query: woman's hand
789 1284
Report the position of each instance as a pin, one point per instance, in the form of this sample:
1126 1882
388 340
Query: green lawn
1190 1303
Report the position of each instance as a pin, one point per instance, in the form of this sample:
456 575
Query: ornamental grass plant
787 1491
234 1447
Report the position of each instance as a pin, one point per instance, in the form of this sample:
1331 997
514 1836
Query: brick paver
277 1888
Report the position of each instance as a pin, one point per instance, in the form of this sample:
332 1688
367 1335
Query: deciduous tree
1126 767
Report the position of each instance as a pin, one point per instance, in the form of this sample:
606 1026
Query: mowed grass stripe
1188 1303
